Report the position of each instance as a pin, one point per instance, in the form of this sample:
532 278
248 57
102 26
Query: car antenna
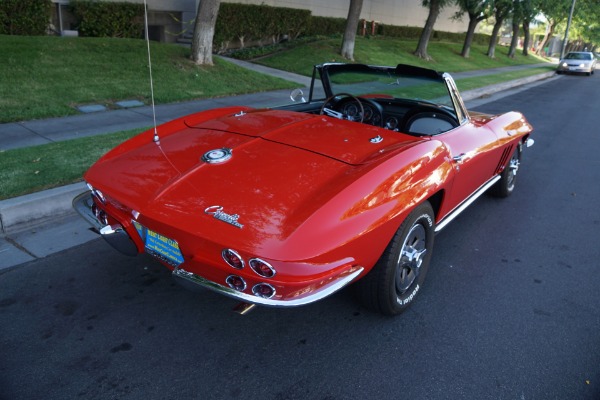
156 138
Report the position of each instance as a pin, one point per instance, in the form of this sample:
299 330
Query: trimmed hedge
252 23
25 17
413 32
108 19
404 32
478 38
247 22
327 26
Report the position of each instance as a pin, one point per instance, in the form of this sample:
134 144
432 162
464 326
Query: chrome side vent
503 160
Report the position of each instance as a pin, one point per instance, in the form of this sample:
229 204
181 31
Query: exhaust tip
243 308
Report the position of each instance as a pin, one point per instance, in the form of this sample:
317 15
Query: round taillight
263 290
262 268
236 282
232 258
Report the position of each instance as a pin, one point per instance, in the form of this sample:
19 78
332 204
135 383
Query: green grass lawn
47 76
393 51
32 169
486 80
43 77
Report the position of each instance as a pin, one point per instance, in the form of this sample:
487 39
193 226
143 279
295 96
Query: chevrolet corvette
287 205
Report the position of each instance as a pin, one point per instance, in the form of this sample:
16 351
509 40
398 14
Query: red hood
284 166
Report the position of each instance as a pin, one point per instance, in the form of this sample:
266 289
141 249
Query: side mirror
297 95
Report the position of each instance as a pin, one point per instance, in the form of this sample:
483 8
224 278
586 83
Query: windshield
579 56
389 84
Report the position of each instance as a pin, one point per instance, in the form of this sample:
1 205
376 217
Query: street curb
499 87
23 212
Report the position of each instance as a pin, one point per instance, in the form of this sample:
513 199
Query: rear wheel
393 283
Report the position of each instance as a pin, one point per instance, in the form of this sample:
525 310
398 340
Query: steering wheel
376 119
336 114
378 109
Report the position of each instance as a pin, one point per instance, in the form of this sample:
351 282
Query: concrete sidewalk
39 224
31 133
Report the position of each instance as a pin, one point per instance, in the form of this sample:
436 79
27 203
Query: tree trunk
434 11
547 36
515 39
204 31
527 37
466 50
491 53
347 50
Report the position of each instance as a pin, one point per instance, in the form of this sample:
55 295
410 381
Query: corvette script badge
217 212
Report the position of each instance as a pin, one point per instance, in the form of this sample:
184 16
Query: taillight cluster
98 213
260 267
232 258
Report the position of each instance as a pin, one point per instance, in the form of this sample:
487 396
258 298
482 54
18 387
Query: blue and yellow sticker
159 245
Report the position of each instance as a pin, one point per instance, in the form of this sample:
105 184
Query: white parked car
579 62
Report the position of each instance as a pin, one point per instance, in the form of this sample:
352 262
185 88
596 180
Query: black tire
393 283
506 185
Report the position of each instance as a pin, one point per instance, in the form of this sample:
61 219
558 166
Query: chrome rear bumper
83 205
193 281
115 235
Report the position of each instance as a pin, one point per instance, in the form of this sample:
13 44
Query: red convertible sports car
287 205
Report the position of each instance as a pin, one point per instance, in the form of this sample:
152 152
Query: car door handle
459 158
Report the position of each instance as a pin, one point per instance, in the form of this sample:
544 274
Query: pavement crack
24 126
18 246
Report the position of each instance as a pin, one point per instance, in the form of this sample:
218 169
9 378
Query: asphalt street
509 309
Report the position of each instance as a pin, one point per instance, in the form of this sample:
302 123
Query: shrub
25 17
108 19
404 32
326 26
248 22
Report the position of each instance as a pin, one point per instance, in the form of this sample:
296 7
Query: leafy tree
204 31
435 6
349 39
477 10
517 18
586 23
502 9
555 12
530 9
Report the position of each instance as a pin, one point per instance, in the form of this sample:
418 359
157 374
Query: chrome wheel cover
410 259
513 168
